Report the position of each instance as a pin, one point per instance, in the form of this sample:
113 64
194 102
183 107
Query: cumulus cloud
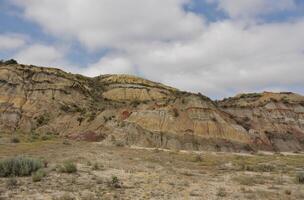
11 41
252 8
227 58
42 55
161 41
114 23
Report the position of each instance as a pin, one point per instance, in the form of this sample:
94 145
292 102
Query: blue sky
216 47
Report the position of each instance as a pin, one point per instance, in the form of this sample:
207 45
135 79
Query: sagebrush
19 166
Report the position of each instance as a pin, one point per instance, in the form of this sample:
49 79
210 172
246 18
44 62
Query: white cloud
110 65
41 55
227 58
252 8
11 41
114 23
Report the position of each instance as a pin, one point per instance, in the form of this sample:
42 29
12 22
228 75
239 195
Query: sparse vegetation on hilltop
8 62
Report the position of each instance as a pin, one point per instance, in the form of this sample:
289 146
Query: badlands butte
125 110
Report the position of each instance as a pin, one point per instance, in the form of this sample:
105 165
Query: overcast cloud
163 41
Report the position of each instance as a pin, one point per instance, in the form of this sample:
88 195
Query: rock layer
127 110
275 121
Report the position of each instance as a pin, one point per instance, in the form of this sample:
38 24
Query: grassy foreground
82 170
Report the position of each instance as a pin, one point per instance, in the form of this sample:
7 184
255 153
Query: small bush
43 120
221 192
197 158
300 178
259 168
10 62
287 192
92 117
135 103
65 108
38 175
250 180
115 182
15 140
68 167
119 143
19 166
66 142
11 183
33 137
45 163
45 137
80 119
175 112
95 166
250 95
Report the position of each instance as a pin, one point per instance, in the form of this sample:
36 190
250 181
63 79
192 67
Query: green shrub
19 166
95 166
46 137
259 168
300 178
65 108
115 182
38 175
10 62
251 95
43 120
66 142
68 167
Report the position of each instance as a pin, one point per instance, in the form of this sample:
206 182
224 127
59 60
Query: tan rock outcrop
129 110
275 120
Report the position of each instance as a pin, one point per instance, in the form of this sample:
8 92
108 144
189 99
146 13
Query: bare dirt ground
141 173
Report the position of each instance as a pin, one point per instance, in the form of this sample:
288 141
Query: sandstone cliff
127 110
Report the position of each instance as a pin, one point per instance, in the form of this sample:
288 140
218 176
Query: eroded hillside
275 121
127 110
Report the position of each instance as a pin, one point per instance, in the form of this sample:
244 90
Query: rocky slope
127 110
275 121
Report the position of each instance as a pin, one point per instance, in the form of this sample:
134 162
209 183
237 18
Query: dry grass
148 173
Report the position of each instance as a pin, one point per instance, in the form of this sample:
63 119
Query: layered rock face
275 121
127 110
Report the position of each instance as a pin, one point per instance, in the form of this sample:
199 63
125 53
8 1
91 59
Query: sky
216 47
